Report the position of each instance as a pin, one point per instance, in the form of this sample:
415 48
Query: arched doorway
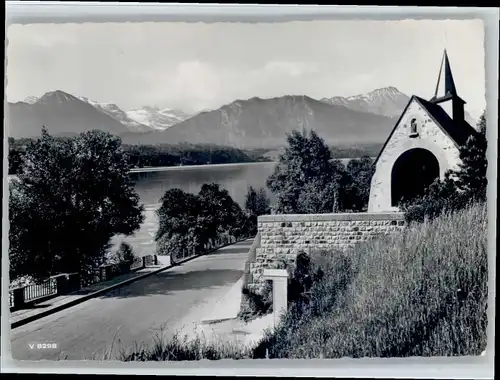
412 173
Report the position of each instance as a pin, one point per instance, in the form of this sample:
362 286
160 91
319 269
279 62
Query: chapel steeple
445 84
446 92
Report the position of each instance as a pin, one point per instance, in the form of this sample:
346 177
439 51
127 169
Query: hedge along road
133 314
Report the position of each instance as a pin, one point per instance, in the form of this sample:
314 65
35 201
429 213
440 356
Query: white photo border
26 12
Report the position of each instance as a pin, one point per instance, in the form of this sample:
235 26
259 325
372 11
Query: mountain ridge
255 122
388 101
264 123
117 113
60 113
157 118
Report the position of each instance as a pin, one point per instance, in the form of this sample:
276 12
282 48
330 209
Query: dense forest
182 154
140 156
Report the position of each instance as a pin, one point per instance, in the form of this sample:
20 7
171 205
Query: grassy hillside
419 293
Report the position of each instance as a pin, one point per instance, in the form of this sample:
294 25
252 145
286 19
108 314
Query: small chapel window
413 127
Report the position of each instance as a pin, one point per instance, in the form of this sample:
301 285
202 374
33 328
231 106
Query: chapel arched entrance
412 173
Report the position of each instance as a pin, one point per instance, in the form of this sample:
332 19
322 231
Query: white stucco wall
430 137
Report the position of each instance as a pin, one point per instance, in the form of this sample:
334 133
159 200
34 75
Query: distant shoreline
185 167
194 167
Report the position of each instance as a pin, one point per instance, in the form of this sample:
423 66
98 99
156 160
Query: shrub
126 253
301 277
256 304
419 293
431 206
460 187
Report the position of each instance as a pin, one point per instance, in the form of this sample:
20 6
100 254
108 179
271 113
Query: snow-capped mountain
117 113
156 118
62 114
31 100
264 123
387 101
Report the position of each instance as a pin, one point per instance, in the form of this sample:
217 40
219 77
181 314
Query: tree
180 219
305 167
471 176
257 202
175 246
241 225
360 172
71 197
194 221
16 152
251 201
317 197
218 209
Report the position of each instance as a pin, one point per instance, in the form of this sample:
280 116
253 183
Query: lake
151 183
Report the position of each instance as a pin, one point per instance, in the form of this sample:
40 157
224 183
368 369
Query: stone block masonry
282 237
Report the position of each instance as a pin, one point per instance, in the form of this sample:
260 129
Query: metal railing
34 291
218 243
23 296
67 283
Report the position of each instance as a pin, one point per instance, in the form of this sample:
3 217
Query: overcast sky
199 66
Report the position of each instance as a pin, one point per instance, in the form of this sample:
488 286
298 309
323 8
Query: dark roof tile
459 132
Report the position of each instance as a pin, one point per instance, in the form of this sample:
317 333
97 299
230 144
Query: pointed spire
445 85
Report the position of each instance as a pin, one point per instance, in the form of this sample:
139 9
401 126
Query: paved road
133 314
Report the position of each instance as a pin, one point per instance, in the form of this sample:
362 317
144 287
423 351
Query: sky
196 66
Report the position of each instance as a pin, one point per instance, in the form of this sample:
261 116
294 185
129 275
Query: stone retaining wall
282 237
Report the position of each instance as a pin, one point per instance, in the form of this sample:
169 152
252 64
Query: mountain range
247 124
157 118
387 101
263 123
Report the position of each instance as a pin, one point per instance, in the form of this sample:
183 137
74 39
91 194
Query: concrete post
103 273
18 297
109 272
74 282
279 277
62 284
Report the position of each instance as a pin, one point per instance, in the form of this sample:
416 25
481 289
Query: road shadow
41 305
230 250
164 283
38 306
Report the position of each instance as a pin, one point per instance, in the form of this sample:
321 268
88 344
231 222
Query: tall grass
419 293
179 348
